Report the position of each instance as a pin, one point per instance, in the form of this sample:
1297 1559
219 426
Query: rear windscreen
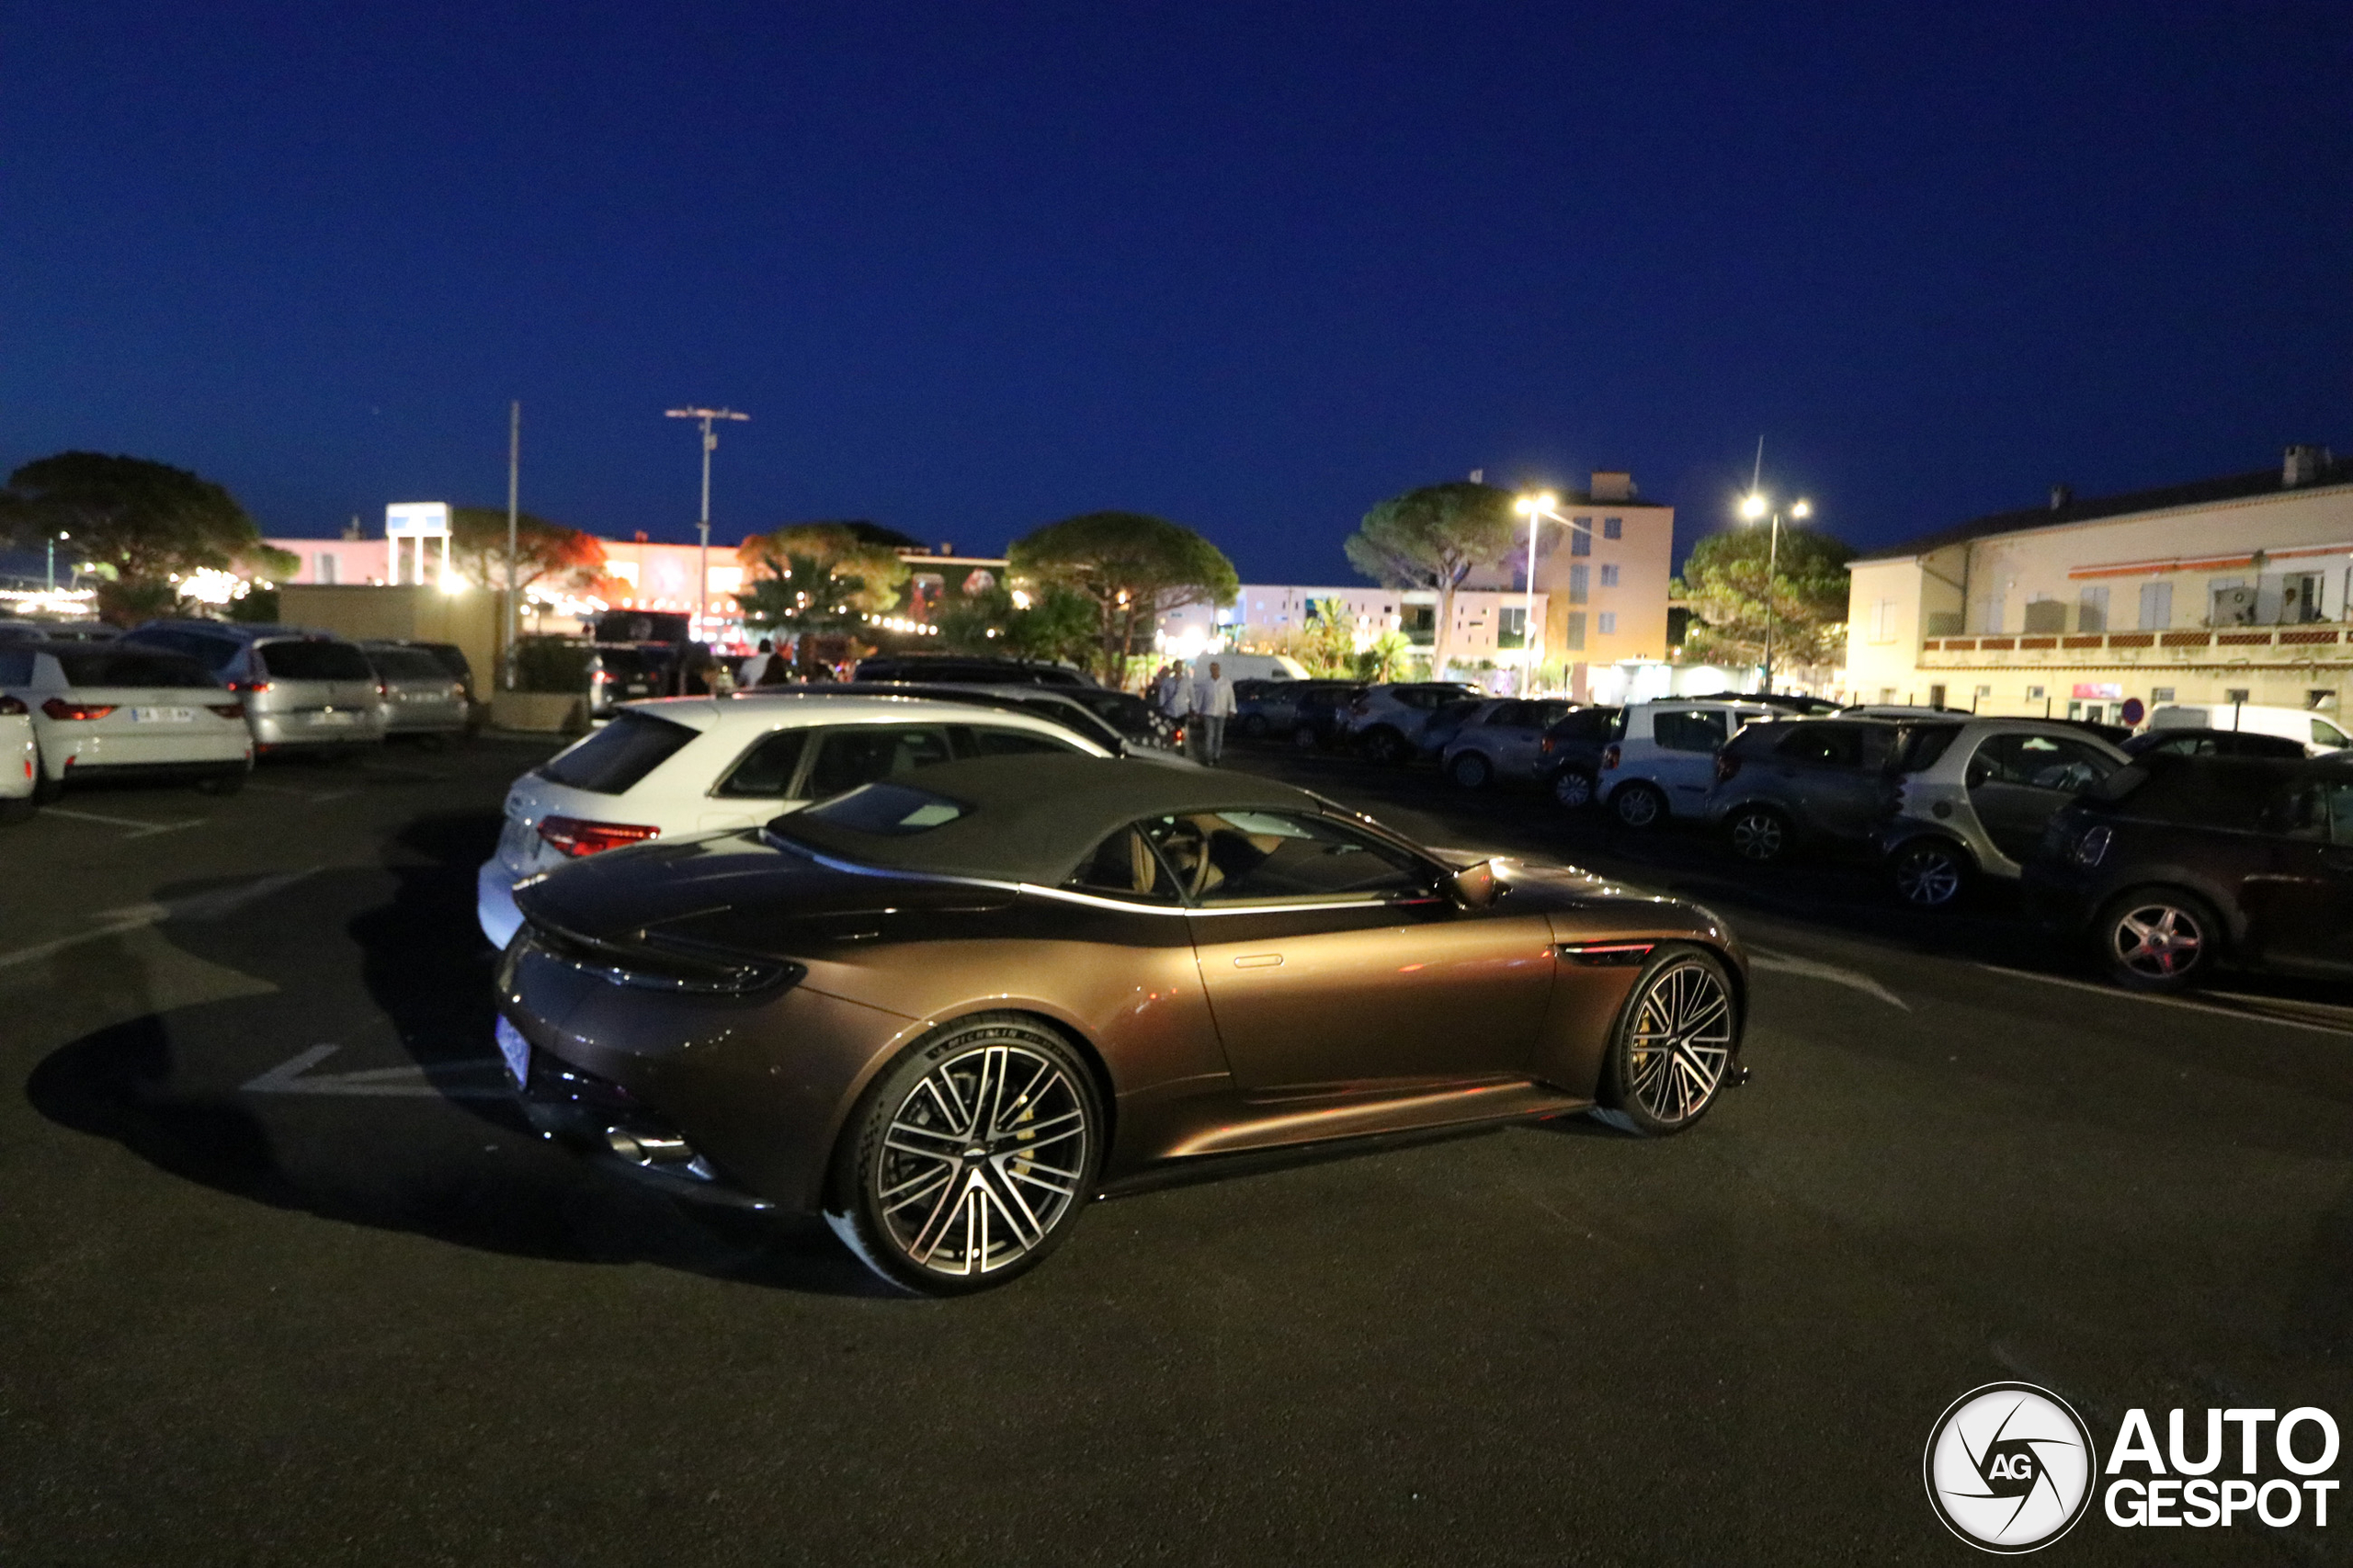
612 761
1924 745
315 661
408 664
127 667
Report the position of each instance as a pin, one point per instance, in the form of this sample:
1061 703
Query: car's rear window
613 760
315 661
629 661
128 667
408 664
2236 794
1924 745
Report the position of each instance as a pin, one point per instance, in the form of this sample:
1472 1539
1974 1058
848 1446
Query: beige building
2230 589
1602 576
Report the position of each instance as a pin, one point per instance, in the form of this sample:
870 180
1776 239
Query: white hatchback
19 759
1664 763
702 765
115 710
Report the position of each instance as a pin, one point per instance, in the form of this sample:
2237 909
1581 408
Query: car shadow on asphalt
178 1086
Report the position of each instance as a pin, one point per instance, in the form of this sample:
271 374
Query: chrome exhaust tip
649 1148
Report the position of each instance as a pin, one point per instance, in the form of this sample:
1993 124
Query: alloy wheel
1928 875
1679 1043
1760 835
1572 789
1637 806
982 1159
1469 770
2158 942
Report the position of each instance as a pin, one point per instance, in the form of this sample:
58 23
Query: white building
2229 589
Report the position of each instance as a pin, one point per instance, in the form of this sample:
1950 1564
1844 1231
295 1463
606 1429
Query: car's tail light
382 690
2092 849
228 709
1610 757
1727 766
249 686
575 837
58 707
1545 745
10 707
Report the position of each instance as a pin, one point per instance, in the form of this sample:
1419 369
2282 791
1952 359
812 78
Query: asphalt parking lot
283 1279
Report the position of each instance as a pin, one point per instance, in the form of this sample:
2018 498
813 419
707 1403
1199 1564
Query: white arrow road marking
1854 980
293 1076
213 905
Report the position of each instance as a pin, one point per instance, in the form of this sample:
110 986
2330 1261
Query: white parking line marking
145 827
210 905
1854 980
2257 1013
293 1076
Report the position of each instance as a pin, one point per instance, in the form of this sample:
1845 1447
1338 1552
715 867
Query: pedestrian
1212 706
756 665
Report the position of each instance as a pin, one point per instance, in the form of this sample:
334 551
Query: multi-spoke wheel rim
1572 789
1682 1040
981 1160
1471 771
1637 808
1758 836
2158 941
1928 876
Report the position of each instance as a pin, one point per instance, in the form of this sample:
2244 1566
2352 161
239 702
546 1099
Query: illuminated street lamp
702 560
1753 507
52 559
1535 507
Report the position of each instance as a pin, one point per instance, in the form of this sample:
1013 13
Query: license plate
333 717
163 715
517 1051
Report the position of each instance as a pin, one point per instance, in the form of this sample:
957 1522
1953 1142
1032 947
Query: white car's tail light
575 837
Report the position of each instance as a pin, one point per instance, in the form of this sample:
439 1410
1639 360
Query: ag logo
2009 1467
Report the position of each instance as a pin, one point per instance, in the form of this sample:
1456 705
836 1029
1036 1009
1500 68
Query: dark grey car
1821 781
1568 759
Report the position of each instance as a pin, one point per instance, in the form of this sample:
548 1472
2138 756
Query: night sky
976 266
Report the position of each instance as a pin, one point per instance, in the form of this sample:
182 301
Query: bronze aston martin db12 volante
944 1010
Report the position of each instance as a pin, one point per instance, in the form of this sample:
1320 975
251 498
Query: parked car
303 691
1663 762
967 669
2313 731
1119 722
420 697
626 672
19 759
1568 758
2213 742
107 709
15 630
1821 781
1264 708
1972 799
2178 863
911 1009
1500 739
1322 714
686 765
1386 722
451 658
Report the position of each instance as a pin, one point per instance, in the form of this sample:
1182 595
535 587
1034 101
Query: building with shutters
2228 589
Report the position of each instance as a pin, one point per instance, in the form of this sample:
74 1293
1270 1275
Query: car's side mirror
1475 887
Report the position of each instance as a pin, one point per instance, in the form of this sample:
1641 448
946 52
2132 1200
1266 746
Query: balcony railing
2295 643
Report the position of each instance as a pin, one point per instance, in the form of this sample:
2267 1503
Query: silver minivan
303 690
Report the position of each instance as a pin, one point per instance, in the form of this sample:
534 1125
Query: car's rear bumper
495 909
68 755
301 727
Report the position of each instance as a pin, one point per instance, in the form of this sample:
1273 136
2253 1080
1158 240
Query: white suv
1664 763
700 765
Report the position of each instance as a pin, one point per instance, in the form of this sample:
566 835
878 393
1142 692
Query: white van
2318 733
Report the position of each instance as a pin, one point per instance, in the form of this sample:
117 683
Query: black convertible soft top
1017 819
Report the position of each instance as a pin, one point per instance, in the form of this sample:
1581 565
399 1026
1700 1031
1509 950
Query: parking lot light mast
1535 509
702 560
1753 507
52 559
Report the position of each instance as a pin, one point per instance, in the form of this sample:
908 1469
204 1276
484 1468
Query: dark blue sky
973 268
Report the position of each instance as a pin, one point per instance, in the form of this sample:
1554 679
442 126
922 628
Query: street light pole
1752 508
1541 505
702 528
513 494
52 559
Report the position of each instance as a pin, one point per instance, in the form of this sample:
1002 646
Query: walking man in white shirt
1212 706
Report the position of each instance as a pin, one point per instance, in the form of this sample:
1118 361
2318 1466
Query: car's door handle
1259 960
